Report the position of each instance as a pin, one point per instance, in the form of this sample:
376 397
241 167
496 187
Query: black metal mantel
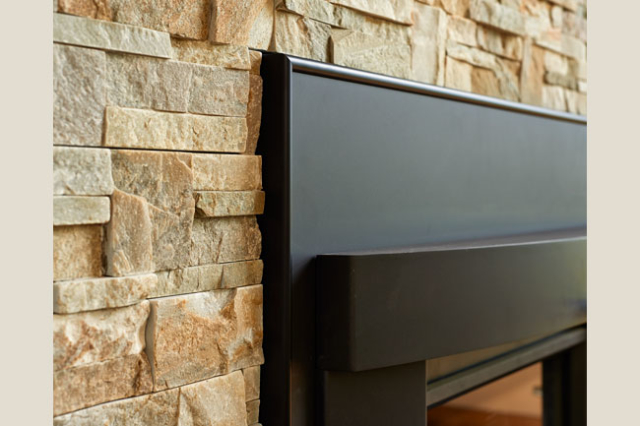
405 222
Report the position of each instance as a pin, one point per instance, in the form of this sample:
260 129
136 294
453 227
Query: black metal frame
301 389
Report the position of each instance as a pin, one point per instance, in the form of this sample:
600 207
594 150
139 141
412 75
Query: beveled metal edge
308 66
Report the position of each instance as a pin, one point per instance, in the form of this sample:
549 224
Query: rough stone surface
494 14
567 4
501 44
159 409
129 240
428 44
229 203
72 210
576 102
202 335
256 61
239 274
79 95
101 293
81 171
227 239
218 91
473 56
97 336
300 36
574 25
261 31
136 128
462 31
206 53
454 7
254 113
91 384
219 172
110 36
458 74
393 10
188 280
77 252
564 44
362 51
392 32
554 97
251 383
232 21
253 411
318 10
218 401
555 62
532 75
557 79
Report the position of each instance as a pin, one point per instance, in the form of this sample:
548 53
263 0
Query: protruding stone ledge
111 36
218 172
101 293
494 14
253 411
229 203
223 240
82 171
207 53
70 210
301 36
77 252
396 11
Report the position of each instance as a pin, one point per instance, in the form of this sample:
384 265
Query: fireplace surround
410 224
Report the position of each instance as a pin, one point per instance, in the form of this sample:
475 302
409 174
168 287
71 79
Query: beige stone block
251 383
93 9
253 411
92 384
564 80
392 32
564 44
576 102
485 82
458 74
81 171
217 332
392 10
158 409
362 51
454 7
555 62
428 44
188 280
72 210
554 97
261 32
502 44
574 25
229 203
77 252
233 20
239 274
556 16
567 4
318 10
582 86
128 247
301 36
217 401
494 14
110 36
79 95
101 293
254 114
532 74
218 91
96 336
462 31
137 128
219 172
206 53
471 55
227 239
256 61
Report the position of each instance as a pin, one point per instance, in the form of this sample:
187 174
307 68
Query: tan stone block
564 80
532 74
471 55
136 128
582 86
498 16
91 384
485 82
218 91
555 62
576 102
217 332
100 9
455 7
300 36
218 401
239 274
77 252
392 10
110 36
227 239
253 411
128 247
392 32
82 171
574 25
251 383
219 172
556 16
428 44
318 10
79 95
101 293
188 280
567 4
71 210
362 51
462 31
232 20
254 114
578 69
501 44
458 74
229 203
256 61
261 32
554 97
158 409
206 53
564 44
96 336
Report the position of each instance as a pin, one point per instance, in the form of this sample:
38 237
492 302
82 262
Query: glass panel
514 400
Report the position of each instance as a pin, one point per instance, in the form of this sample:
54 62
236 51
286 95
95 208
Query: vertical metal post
564 381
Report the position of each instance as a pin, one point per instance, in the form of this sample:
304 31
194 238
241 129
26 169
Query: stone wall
157 294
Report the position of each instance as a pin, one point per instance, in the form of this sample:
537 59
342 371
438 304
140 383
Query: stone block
567 4
158 409
239 274
554 97
253 411
79 95
318 10
77 252
92 384
454 7
428 44
462 30
362 51
532 74
251 383
218 91
81 171
207 53
137 128
261 32
217 401
392 32
564 44
501 44
202 335
219 172
301 36
229 203
96 336
110 36
574 25
494 14
233 20
555 62
72 210
393 10
471 55
101 293
576 102
227 239
458 74
188 280
254 113
256 60
564 80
